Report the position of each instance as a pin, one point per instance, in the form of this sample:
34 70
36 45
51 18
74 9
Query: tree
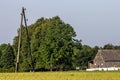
55 39
108 46
2 47
85 55
7 58
51 44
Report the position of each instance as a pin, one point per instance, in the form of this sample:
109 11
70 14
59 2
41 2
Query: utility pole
19 43
28 42
23 17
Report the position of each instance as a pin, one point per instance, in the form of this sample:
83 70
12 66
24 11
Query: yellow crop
61 76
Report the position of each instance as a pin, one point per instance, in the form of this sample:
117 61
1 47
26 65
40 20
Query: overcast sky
96 22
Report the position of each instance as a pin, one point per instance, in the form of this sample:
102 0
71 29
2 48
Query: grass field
61 76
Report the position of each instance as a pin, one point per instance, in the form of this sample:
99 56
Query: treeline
53 47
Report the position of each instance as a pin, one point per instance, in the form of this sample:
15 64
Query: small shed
106 59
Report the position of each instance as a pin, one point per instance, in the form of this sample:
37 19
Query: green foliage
108 46
86 54
2 47
52 45
52 38
7 57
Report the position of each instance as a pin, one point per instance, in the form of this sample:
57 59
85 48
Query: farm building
106 59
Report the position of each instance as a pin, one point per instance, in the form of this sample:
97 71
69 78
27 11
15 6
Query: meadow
72 75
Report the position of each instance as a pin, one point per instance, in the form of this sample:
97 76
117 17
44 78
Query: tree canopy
52 45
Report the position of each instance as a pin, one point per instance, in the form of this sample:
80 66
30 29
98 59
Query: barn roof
110 55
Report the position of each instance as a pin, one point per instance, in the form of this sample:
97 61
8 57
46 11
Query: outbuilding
106 59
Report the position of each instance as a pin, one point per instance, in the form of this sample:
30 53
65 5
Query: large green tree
52 44
54 39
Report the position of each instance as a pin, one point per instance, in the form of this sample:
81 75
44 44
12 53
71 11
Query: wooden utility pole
28 42
19 42
23 17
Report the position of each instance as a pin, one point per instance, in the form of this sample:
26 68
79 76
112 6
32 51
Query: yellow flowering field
72 75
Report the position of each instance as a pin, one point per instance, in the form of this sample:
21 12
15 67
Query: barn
106 59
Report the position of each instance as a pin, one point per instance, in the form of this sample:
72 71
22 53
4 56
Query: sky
96 22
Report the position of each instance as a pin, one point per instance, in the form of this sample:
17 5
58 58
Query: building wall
112 64
98 61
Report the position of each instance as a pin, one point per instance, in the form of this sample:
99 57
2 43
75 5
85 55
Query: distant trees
108 46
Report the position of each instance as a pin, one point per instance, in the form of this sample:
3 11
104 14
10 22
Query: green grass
61 76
